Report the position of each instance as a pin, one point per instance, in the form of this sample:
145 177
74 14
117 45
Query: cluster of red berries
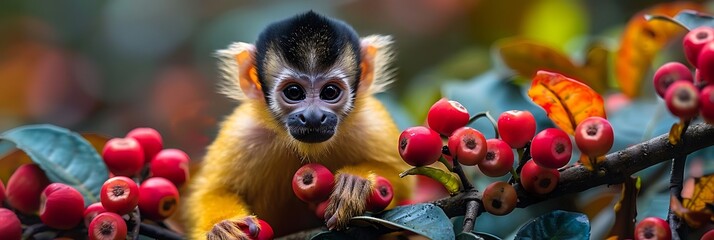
62 207
313 183
688 96
550 149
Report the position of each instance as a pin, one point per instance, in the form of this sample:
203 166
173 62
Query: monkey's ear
376 57
240 74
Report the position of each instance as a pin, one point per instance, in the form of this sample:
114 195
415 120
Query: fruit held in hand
499 158
551 148
499 198
419 146
24 188
92 211
594 136
265 232
312 183
150 141
682 100
653 228
158 198
321 208
468 145
695 40
123 156
119 195
382 194
171 164
669 73
446 116
107 226
517 128
537 179
706 104
10 226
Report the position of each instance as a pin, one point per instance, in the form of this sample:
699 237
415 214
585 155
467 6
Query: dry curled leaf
566 101
695 210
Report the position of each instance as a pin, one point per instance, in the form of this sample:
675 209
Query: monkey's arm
353 187
219 214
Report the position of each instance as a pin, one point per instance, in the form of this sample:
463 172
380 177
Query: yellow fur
249 167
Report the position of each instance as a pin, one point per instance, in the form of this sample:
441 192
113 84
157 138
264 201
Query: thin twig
676 181
489 117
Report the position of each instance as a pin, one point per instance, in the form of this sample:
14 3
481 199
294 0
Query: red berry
382 194
499 158
149 139
551 148
706 104
446 116
107 226
419 146
669 73
265 231
158 198
499 198
10 226
468 145
92 211
321 208
62 206
119 195
682 100
705 62
594 136
312 183
171 164
537 179
695 40
2 192
699 80
123 156
516 127
708 235
24 188
653 228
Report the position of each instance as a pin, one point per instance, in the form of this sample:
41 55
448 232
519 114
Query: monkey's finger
250 223
344 183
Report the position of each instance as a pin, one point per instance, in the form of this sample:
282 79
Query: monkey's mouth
312 135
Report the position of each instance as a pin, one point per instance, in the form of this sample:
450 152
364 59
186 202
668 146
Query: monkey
306 94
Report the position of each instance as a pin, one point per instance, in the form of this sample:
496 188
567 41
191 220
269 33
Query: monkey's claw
235 229
348 199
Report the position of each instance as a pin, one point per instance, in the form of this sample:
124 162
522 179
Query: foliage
556 225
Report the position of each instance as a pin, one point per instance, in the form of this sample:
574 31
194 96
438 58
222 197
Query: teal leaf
688 19
424 219
65 156
556 225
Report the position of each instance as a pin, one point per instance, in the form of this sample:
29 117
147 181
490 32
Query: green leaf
557 225
65 157
424 219
447 179
476 236
688 19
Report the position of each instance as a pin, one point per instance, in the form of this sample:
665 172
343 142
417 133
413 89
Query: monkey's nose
312 119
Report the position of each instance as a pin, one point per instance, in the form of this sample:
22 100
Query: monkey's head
309 70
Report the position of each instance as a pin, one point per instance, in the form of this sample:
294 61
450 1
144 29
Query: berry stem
464 180
490 118
446 163
514 176
675 187
472 209
523 155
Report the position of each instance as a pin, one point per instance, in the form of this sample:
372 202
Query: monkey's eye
294 92
330 92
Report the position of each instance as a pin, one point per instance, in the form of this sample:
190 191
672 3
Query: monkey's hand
235 229
348 199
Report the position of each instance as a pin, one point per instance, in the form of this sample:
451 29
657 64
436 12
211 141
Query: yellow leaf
566 101
591 164
527 57
642 40
675 133
694 210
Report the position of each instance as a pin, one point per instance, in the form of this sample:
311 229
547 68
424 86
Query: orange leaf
527 57
566 101
642 40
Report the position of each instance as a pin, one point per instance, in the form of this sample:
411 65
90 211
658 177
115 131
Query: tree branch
614 170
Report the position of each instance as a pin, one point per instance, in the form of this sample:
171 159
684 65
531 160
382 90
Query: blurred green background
109 66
